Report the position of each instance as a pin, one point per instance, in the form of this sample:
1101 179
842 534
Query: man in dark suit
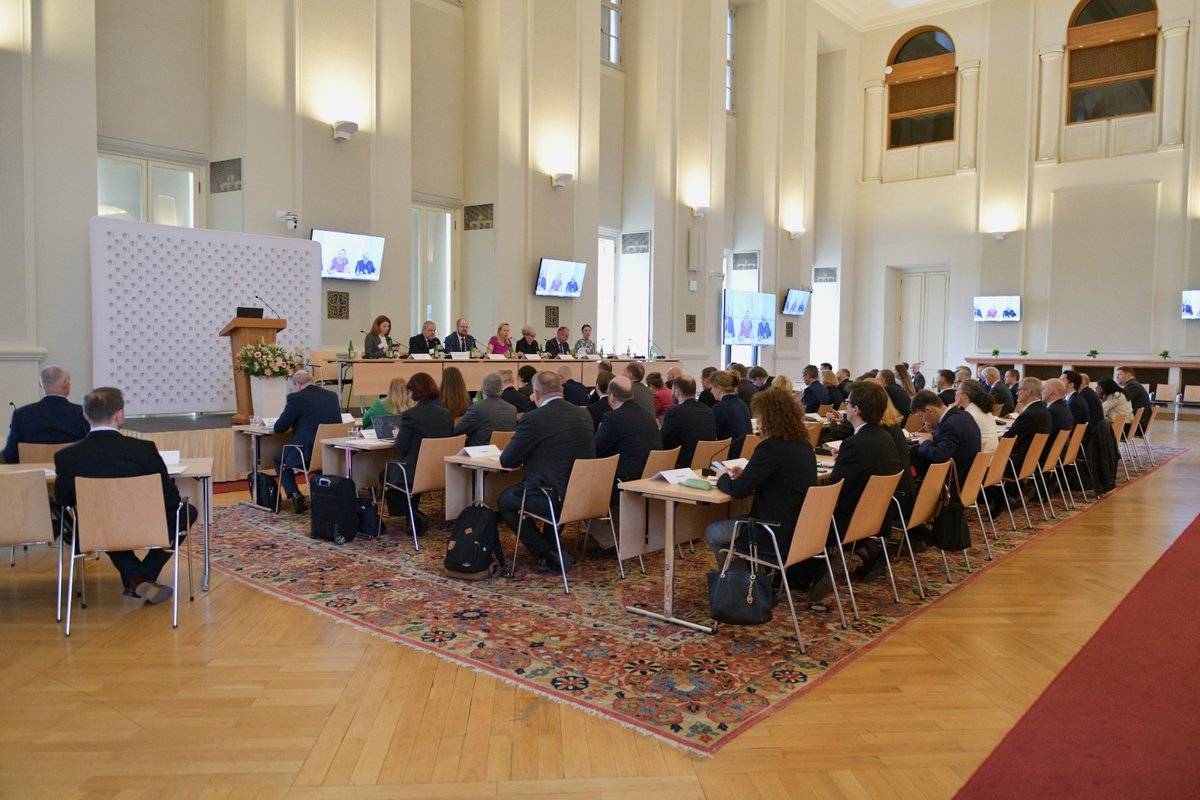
52 420
955 436
895 392
999 391
559 345
628 432
869 451
308 406
1034 419
687 422
815 394
511 395
489 413
599 407
1012 379
945 387
426 340
1054 392
461 341
918 379
106 453
548 441
706 395
573 391
1137 394
1095 406
642 394
1075 401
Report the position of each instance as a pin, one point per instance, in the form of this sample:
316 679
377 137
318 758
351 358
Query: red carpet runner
1122 720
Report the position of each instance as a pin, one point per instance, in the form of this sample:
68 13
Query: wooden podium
241 332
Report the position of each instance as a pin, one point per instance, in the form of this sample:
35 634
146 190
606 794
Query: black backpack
474 552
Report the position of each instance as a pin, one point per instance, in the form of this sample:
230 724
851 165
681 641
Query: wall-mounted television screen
349 256
749 318
998 308
796 302
1191 304
558 278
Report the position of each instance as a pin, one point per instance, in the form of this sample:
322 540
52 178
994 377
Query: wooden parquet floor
255 697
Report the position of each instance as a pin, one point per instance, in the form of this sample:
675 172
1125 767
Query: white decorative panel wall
1133 134
900 164
937 159
1083 140
160 295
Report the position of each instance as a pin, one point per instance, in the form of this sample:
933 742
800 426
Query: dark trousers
284 468
530 533
148 568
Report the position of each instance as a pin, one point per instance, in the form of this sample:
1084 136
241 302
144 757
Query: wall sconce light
700 211
288 218
796 234
1000 235
343 129
560 179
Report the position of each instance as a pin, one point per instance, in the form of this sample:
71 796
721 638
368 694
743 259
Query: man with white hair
52 420
308 406
573 391
999 391
489 413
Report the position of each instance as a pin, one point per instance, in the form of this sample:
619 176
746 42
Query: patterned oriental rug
693 690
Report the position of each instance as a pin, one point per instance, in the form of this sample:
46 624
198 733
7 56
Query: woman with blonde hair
396 402
454 392
830 382
501 343
783 382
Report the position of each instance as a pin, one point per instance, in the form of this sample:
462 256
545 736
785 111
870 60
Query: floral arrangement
1024 352
1093 353
1164 355
995 352
264 360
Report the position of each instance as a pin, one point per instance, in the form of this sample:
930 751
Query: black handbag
948 530
739 598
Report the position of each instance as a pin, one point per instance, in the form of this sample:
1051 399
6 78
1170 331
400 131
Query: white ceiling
869 14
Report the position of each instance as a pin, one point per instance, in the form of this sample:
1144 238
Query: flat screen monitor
558 278
998 308
749 318
1191 304
796 302
349 256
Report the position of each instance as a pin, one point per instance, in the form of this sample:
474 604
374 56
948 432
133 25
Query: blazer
598 408
1004 398
836 398
685 424
376 346
630 433
706 397
733 422
814 396
918 380
899 398
1061 416
1078 408
516 399
575 392
547 442
643 395
304 411
110 454
528 348
419 344
871 451
555 347
746 391
778 475
425 420
52 420
1095 411
487 415
459 344
947 396
1138 398
1034 419
955 437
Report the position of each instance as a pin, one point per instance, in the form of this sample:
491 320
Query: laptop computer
386 426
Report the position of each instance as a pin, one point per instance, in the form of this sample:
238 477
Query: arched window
1113 48
921 88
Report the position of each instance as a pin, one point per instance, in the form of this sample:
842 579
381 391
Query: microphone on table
268 305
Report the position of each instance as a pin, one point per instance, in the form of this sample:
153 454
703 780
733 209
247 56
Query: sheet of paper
176 469
496 356
169 457
369 433
675 476
533 358
269 422
420 356
481 451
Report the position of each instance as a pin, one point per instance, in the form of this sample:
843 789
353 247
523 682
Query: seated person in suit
52 420
600 407
511 395
662 394
918 378
559 346
1075 401
525 376
426 341
378 343
629 433
573 391
106 453
759 377
548 441
308 406
1137 394
672 374
1034 419
1113 400
461 341
778 474
1054 393
488 413
731 414
395 404
425 420
815 394
687 422
830 382
1000 391
706 395
843 382
741 377
1012 379
642 394
945 386
527 345
895 392
955 437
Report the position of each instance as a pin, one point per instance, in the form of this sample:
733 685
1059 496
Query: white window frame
610 41
729 66
147 166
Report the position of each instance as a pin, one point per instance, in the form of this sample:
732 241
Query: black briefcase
334 509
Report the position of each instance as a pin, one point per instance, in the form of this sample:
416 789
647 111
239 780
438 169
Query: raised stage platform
197 436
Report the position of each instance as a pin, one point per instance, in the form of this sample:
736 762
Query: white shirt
988 436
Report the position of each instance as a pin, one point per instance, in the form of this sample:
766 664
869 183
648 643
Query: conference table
472 479
194 471
362 458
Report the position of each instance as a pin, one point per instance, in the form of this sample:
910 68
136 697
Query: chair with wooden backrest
968 495
26 518
1127 438
749 443
865 524
1118 429
29 453
914 423
501 438
323 366
1050 464
922 512
1031 465
1143 430
809 540
1189 397
122 514
429 475
589 490
995 477
1164 394
328 430
660 460
824 409
1017 409
1070 458
706 451
814 432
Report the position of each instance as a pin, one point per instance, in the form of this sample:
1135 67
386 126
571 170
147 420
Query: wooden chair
922 513
329 430
809 539
866 523
323 366
660 460
1126 438
1189 397
1028 468
1143 430
1050 464
995 477
968 495
29 453
588 492
26 518
1070 458
1164 394
429 475
1118 429
824 409
914 423
814 432
706 451
121 514
501 438
752 441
